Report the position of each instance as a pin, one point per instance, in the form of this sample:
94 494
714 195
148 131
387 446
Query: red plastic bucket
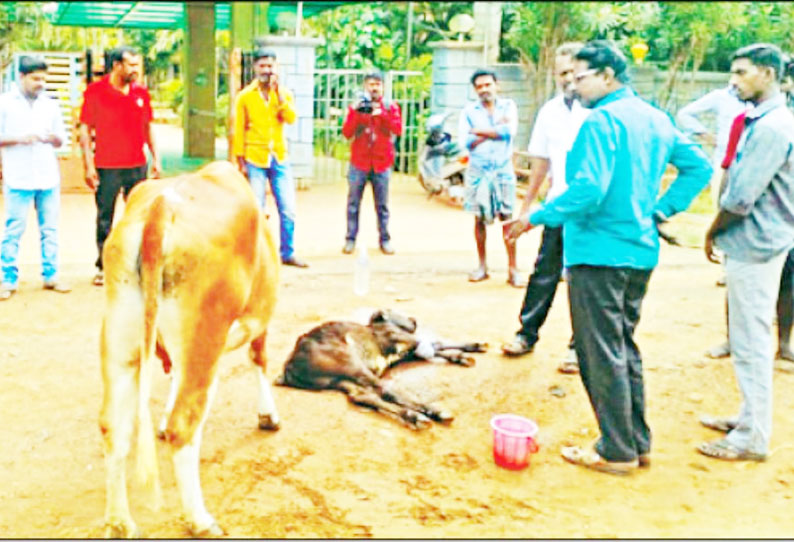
513 440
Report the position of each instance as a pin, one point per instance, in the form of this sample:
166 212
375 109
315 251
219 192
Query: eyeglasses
579 77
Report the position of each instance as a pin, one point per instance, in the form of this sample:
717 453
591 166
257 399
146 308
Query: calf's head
393 331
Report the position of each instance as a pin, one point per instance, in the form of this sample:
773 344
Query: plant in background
684 34
171 93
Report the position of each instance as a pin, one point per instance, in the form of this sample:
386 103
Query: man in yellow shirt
260 146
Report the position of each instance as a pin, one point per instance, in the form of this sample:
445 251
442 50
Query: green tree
684 34
375 35
769 22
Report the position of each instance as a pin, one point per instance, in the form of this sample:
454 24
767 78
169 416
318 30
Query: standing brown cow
191 271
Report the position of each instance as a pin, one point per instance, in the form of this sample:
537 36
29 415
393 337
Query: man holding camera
260 145
371 123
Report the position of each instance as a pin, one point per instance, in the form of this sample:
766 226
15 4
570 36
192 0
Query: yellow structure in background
639 51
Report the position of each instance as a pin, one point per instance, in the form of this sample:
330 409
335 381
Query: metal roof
161 15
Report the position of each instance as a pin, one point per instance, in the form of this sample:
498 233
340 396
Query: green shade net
161 15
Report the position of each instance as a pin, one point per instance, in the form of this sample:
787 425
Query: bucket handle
533 446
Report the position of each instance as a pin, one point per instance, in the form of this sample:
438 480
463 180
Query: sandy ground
338 471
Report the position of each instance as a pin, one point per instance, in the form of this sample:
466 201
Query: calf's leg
367 397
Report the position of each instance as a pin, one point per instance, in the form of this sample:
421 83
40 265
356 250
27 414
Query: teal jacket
614 172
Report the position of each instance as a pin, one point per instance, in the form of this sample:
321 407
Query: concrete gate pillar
453 64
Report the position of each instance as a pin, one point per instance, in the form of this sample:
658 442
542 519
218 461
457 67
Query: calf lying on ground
190 272
352 357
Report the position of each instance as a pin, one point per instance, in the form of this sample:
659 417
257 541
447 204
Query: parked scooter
442 161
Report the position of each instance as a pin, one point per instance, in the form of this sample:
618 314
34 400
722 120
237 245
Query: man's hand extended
515 228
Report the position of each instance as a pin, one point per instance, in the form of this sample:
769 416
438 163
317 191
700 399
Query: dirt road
337 471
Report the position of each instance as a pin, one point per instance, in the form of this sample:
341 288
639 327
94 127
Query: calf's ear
378 317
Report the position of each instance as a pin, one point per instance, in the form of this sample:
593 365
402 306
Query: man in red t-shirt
119 113
371 124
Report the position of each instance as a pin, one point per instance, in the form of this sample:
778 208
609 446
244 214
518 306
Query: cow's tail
151 274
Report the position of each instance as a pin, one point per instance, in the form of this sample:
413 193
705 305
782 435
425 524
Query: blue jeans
357 181
752 294
17 204
283 188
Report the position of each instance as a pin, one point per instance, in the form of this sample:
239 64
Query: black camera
364 104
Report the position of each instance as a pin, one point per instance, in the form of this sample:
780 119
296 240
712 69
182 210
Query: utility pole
409 33
488 28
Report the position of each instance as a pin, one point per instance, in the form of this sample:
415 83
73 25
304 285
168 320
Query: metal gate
334 90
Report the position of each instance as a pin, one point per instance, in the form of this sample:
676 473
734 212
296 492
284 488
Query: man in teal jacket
609 214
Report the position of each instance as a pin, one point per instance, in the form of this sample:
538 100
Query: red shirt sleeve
737 127
87 109
348 128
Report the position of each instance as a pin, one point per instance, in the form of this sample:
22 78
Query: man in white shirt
725 105
555 129
31 128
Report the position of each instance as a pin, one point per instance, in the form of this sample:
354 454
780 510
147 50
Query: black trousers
111 182
542 286
785 300
605 309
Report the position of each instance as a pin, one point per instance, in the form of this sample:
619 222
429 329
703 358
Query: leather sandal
722 449
518 347
592 460
6 293
514 280
57 286
722 350
723 425
478 275
569 365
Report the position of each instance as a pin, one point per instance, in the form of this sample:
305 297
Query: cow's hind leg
365 396
186 464
268 415
120 351
195 356
169 405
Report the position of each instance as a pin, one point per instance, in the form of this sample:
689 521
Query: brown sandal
723 425
514 280
722 449
592 460
518 347
478 275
